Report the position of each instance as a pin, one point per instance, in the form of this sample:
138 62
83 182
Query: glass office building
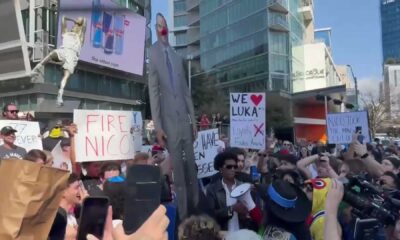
91 86
390 19
247 45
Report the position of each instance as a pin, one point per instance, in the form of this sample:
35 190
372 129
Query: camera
371 201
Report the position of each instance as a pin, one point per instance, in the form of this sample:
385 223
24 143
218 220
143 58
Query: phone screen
143 194
93 217
360 137
366 229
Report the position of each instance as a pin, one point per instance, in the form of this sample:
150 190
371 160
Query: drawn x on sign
259 130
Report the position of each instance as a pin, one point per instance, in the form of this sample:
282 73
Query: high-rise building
391 90
390 20
91 86
253 46
185 29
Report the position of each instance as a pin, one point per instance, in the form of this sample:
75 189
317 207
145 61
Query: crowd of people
296 190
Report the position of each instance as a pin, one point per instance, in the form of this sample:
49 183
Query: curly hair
220 159
199 228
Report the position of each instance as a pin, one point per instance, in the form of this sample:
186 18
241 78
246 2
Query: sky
356 35
158 6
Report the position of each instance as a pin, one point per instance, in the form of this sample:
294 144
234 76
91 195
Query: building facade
391 90
90 87
255 46
390 22
242 45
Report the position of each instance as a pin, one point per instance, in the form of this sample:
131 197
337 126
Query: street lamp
190 58
355 84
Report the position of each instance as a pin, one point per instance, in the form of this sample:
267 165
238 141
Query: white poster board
107 135
342 126
28 134
60 160
206 147
247 116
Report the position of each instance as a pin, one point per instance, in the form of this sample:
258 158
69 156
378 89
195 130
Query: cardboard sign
247 120
206 147
342 126
28 134
107 135
30 196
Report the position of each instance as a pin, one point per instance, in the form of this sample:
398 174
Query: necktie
170 74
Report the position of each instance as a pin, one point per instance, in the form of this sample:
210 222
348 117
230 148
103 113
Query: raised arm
332 229
373 166
305 162
83 31
64 27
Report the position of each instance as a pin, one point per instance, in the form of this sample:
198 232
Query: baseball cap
7 130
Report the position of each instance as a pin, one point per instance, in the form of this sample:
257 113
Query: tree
377 111
391 61
209 99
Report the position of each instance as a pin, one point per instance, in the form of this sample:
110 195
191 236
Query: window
181 21
180 6
279 43
279 64
181 38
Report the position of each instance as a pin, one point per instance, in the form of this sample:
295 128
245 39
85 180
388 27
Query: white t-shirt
233 224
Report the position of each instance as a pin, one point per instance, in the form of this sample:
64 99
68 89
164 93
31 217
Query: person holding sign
173 115
10 111
9 149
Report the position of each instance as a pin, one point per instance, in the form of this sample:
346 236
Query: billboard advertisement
114 36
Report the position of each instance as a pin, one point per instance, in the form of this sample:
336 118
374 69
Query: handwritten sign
247 120
206 147
107 135
342 126
28 133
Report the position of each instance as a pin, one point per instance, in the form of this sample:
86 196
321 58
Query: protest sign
28 133
61 160
107 135
206 147
247 120
30 196
342 126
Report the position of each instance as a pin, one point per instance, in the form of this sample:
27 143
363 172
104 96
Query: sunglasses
230 167
10 134
13 111
262 155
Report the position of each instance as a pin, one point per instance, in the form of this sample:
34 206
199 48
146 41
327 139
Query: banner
28 134
342 126
247 120
114 35
107 135
206 147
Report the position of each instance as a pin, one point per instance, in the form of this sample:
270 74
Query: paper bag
29 197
